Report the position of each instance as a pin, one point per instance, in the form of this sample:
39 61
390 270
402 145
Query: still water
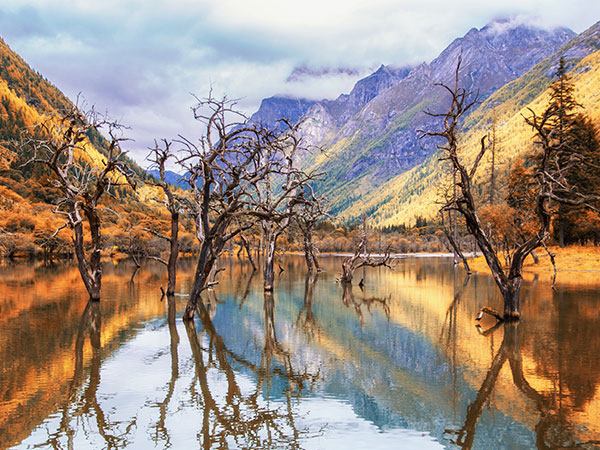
400 364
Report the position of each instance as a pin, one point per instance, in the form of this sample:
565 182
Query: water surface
398 364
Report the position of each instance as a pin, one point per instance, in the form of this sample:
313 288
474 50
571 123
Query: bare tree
224 169
550 179
362 259
310 212
281 193
159 156
246 247
64 149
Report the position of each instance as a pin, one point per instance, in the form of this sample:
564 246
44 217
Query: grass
576 265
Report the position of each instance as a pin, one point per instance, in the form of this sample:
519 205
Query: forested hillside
370 142
415 193
27 193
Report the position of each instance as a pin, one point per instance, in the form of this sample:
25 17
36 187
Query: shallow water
400 364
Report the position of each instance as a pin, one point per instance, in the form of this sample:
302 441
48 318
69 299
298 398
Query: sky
142 60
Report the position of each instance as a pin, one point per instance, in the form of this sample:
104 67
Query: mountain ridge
380 141
413 193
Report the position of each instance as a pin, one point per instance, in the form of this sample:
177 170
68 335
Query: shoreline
392 255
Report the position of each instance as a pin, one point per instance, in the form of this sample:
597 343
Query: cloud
140 61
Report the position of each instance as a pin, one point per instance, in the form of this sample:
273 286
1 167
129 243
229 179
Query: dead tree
508 281
65 150
362 259
224 169
550 186
245 247
450 236
159 156
280 193
309 214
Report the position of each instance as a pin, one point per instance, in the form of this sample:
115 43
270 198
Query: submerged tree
549 172
159 156
361 258
65 150
281 193
310 212
224 169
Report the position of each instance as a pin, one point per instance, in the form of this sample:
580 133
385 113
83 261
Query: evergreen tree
571 223
574 154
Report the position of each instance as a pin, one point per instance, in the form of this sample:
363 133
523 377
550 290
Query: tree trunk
95 262
206 260
269 273
246 247
92 281
173 255
456 249
347 271
308 256
511 296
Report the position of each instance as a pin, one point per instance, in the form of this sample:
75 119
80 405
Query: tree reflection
553 428
238 416
449 331
82 401
349 300
306 318
160 430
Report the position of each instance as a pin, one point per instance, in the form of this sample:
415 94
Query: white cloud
141 60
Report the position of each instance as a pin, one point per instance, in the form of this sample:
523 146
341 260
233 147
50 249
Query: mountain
27 196
27 97
173 178
275 108
381 140
337 111
414 192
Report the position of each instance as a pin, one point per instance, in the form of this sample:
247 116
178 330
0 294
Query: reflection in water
306 320
348 299
160 433
553 428
298 368
82 401
246 419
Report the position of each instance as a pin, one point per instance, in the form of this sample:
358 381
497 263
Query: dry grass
576 265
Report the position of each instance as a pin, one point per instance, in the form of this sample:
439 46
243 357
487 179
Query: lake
398 364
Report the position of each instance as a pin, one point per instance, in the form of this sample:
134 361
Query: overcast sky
140 60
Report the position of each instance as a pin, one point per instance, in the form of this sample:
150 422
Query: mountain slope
27 98
381 140
414 193
27 194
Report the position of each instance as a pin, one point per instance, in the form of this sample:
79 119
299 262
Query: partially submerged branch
361 259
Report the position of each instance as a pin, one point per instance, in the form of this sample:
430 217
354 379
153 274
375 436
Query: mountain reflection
398 364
